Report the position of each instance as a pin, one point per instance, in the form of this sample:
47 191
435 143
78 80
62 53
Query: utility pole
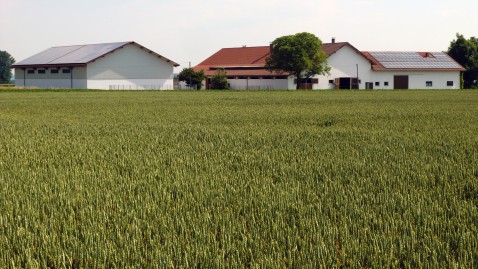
189 74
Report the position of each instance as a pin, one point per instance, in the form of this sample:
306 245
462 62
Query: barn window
41 71
377 83
31 71
331 81
385 83
54 71
66 71
429 83
449 83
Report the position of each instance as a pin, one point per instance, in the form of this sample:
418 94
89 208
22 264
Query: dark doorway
400 82
306 83
346 83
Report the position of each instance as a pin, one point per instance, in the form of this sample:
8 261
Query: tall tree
219 80
192 78
465 52
300 55
6 61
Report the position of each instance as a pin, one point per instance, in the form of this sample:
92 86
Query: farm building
121 65
350 69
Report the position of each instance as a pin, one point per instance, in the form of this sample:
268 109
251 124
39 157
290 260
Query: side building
350 69
107 66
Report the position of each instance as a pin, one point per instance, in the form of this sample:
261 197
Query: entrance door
400 82
369 85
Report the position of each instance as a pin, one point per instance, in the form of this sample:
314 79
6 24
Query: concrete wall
75 79
258 84
130 67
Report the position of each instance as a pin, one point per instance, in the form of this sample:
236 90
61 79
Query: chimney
333 40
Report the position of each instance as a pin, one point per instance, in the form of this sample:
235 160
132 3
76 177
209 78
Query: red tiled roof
249 61
376 65
245 56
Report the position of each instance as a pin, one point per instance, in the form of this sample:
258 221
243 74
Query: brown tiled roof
331 48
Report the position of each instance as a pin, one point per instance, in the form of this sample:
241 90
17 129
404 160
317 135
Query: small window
54 71
331 81
385 83
31 71
449 83
429 83
66 71
377 83
41 71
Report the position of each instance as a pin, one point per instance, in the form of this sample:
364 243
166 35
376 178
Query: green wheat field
234 179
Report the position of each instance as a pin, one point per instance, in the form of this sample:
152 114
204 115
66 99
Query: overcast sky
191 30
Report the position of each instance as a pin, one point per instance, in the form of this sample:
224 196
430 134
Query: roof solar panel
79 54
415 60
87 53
48 55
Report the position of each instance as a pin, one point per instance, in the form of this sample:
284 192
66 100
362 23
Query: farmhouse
350 69
121 65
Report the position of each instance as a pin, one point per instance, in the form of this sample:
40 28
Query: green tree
6 61
299 55
219 80
192 78
465 52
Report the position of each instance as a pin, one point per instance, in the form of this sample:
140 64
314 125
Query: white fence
141 87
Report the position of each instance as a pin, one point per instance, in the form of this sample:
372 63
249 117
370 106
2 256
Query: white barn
388 69
121 65
350 69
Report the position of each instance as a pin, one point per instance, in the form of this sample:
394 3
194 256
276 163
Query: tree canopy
300 55
465 52
192 78
6 62
219 80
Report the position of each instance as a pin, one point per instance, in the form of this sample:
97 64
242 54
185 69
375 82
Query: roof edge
141 47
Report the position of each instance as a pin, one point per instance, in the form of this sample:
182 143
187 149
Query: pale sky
190 31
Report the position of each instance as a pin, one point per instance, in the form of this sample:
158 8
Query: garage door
400 82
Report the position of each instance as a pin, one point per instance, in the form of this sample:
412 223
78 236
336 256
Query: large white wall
344 63
130 68
417 79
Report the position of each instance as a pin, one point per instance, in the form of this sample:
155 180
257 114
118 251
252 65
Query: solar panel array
71 54
411 60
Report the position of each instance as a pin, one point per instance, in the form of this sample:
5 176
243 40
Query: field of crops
283 179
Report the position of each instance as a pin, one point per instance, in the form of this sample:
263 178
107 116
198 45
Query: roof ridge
255 61
80 46
125 42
